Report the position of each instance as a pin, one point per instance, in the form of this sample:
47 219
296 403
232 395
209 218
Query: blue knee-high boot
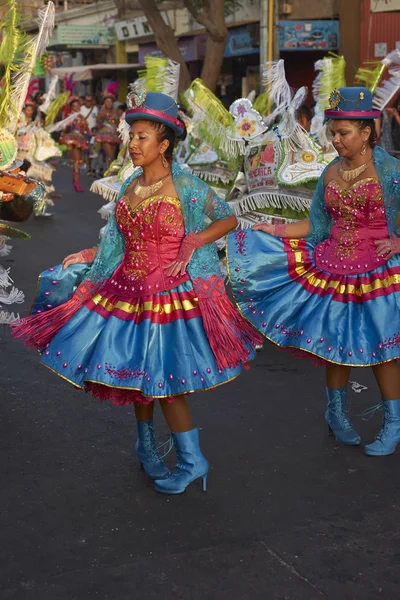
191 464
147 452
337 418
389 436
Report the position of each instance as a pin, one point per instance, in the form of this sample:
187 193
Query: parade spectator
395 126
90 111
304 116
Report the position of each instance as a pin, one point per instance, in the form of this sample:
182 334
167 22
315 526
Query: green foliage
231 6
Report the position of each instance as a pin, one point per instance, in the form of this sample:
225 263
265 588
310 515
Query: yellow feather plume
10 48
55 106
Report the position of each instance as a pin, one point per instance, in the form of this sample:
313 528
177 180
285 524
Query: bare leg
77 163
177 414
88 164
109 151
337 376
388 378
144 412
76 154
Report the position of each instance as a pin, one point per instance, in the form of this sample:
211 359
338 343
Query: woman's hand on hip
389 247
189 244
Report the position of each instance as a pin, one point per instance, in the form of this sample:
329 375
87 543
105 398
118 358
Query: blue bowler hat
153 106
351 103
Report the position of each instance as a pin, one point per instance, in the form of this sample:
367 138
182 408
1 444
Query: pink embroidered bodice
153 233
358 220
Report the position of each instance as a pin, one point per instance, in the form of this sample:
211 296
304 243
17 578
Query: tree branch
215 24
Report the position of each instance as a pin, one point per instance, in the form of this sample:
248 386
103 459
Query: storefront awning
88 71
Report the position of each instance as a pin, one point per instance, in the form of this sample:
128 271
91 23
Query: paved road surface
289 514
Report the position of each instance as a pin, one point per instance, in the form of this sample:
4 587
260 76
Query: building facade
380 28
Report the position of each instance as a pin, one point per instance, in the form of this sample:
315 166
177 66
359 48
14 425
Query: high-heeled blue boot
389 436
147 452
337 418
191 464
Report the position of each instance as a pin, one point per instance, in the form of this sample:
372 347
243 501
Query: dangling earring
364 149
164 161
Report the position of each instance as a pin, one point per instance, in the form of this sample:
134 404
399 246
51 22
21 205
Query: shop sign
136 28
83 35
309 35
239 43
191 48
385 5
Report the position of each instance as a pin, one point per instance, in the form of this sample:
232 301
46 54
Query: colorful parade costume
76 134
133 325
107 124
107 120
329 295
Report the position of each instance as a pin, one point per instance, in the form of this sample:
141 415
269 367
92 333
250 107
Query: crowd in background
103 140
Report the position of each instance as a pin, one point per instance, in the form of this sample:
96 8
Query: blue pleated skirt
344 319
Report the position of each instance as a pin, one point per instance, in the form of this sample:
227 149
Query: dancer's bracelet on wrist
280 230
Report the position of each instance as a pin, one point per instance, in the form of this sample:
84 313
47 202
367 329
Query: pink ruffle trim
38 330
230 336
317 361
119 396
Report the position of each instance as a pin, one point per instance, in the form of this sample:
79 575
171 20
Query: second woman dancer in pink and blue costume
329 287
150 318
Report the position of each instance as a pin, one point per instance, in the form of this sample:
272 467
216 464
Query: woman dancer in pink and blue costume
329 287
150 318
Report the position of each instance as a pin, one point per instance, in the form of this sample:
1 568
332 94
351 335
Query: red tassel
229 334
38 330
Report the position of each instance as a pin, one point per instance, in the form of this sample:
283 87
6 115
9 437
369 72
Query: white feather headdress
33 49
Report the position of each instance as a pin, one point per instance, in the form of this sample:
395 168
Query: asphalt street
289 514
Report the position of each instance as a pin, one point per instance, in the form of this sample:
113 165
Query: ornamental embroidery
240 237
392 342
351 209
125 373
292 333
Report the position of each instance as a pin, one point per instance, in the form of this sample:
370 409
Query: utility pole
269 35
264 6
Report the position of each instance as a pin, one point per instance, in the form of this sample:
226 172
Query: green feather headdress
55 106
160 75
210 119
11 47
331 76
370 74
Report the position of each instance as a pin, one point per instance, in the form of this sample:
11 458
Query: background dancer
107 125
76 139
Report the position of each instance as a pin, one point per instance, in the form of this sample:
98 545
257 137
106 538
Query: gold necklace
350 174
146 191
